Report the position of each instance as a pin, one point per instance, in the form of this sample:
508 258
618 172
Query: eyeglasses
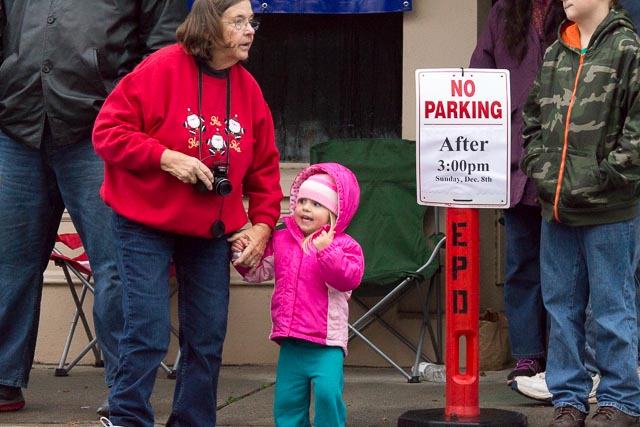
241 23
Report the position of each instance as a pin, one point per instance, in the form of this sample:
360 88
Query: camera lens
222 186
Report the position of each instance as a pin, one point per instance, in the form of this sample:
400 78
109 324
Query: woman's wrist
264 226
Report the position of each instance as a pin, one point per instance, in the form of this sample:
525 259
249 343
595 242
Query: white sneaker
535 387
106 423
596 383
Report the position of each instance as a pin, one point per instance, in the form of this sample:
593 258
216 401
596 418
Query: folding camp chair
78 265
70 256
390 227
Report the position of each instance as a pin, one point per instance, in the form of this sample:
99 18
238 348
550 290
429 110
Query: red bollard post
462 312
462 276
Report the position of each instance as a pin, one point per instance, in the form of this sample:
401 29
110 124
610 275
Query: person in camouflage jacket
582 149
582 127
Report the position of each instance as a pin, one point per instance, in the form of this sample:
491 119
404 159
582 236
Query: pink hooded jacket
311 296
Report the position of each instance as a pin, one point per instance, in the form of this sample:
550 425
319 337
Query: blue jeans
590 356
522 294
301 363
592 265
202 272
35 188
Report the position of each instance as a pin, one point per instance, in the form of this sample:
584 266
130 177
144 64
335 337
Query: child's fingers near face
323 240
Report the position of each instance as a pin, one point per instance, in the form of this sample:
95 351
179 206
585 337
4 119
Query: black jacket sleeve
3 23
158 22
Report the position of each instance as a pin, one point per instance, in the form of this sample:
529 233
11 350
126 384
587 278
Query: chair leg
62 369
377 317
171 371
175 366
436 336
375 313
167 369
426 327
380 352
86 286
415 371
63 372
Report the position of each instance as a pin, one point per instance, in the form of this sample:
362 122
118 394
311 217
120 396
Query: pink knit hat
322 189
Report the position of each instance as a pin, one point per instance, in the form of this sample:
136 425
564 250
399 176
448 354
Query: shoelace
565 410
106 423
525 363
607 411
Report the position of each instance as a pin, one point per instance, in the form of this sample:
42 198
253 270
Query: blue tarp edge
328 6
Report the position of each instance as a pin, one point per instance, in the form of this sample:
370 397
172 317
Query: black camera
221 184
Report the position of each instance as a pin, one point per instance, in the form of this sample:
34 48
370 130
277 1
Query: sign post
463 158
462 312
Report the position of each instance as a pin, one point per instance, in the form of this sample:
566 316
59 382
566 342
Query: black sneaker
610 416
526 368
11 398
567 416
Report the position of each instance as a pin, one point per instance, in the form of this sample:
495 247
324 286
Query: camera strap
227 113
217 229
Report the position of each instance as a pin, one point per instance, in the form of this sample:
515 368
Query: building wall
443 34
437 34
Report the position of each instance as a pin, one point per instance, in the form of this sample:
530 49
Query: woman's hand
186 168
254 240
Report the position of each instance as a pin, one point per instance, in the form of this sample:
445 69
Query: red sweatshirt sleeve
262 181
117 134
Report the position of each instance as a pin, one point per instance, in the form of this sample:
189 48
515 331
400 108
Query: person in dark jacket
58 62
515 37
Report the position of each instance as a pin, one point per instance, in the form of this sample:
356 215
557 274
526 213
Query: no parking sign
463 158
464 132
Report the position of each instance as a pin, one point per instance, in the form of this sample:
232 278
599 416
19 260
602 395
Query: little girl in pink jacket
315 266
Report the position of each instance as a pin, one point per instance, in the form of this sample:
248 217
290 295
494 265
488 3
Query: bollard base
436 417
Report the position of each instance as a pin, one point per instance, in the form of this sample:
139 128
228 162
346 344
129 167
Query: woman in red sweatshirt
184 137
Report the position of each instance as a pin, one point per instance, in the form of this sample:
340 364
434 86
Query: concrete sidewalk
375 397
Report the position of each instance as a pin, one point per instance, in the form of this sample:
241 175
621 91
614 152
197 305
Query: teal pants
300 364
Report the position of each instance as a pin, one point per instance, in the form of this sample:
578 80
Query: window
329 76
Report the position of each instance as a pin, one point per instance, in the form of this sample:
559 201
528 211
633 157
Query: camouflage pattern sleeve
623 162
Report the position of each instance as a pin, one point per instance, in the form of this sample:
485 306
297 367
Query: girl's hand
254 240
236 249
323 240
238 245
